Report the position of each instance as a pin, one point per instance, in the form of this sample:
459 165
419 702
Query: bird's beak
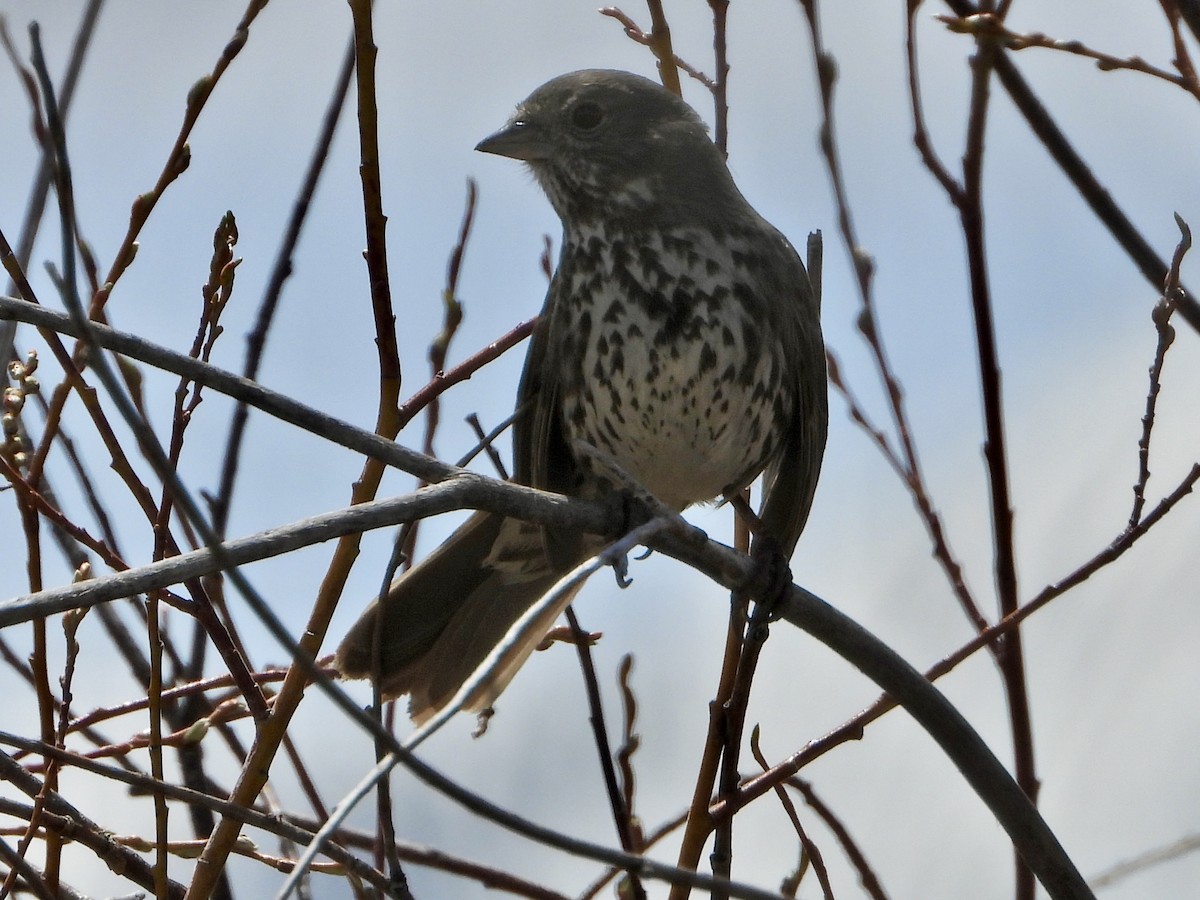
519 139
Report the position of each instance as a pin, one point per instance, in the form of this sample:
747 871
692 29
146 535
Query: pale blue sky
1112 667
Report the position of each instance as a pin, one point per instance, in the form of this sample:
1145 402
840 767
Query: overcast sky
1112 666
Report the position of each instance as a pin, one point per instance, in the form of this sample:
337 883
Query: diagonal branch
1139 250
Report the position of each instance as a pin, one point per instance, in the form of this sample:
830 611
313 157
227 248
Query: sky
1111 666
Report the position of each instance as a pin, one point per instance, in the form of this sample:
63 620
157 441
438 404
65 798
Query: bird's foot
771 581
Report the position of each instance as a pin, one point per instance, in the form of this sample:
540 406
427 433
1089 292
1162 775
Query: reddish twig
921 137
700 821
630 742
720 89
438 348
1011 656
219 682
866 875
853 729
178 158
752 633
453 314
464 370
1099 198
1183 60
281 270
910 473
990 27
660 44
810 848
635 33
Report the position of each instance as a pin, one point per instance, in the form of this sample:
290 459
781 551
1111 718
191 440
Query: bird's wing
541 456
538 444
792 479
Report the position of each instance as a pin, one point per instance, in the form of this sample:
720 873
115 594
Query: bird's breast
666 368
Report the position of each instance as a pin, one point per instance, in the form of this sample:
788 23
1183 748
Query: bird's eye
586 116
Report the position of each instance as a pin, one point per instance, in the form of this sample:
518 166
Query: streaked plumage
680 337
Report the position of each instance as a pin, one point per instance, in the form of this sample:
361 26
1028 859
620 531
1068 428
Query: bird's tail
440 619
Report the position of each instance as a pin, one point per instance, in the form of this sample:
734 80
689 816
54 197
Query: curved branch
1030 834
1028 831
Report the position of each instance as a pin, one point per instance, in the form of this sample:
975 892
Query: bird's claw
620 568
772 577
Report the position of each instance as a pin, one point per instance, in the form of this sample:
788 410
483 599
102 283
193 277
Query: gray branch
983 771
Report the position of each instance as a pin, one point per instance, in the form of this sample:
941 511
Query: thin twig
699 820
35 206
991 27
660 44
866 875
1183 61
1166 335
853 729
178 157
440 346
995 449
1099 198
630 742
720 90
443 381
635 33
1183 847
753 631
143 783
486 444
80 827
281 270
810 849
621 811
906 458
921 139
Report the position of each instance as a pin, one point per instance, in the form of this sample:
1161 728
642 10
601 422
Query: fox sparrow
680 338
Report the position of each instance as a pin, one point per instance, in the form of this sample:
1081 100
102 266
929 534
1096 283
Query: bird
679 344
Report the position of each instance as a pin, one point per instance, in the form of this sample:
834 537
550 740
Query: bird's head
611 146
